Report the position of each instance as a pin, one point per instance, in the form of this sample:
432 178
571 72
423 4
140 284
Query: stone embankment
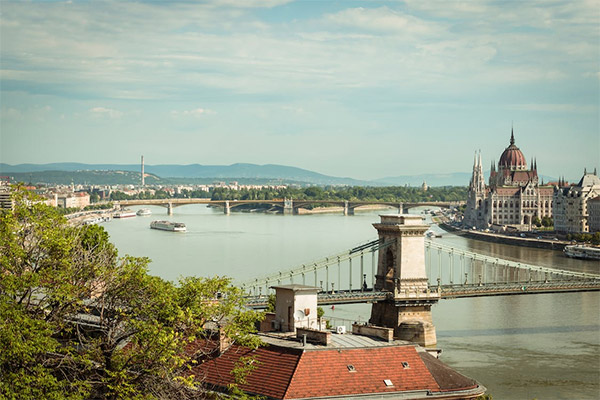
506 239
338 210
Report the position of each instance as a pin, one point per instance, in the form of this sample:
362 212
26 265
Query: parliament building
513 197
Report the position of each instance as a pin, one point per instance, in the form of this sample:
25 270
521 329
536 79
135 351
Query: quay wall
512 240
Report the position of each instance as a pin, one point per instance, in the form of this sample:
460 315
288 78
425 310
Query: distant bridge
346 277
288 206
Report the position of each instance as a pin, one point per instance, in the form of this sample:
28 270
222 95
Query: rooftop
345 341
350 366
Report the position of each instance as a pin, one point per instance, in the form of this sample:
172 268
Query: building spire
512 136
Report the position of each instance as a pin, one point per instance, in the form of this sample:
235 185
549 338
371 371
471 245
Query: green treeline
352 193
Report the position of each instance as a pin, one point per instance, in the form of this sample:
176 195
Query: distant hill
82 177
194 172
103 174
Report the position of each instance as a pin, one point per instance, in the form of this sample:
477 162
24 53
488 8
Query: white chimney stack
142 170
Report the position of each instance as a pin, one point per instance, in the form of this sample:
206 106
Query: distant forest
354 193
82 177
127 178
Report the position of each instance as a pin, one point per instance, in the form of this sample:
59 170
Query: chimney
142 170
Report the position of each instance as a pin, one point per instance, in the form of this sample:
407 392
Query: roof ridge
289 384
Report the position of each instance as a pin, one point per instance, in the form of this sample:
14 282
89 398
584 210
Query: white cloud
250 3
11 113
197 112
106 112
383 19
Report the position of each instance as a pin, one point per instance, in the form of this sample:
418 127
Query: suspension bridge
350 276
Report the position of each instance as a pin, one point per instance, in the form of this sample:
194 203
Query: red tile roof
271 378
295 373
507 191
325 372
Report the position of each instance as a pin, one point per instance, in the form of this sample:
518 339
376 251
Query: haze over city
358 89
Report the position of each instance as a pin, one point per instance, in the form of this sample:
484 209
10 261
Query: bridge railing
455 266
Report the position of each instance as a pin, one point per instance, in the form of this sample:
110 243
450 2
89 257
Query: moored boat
583 252
168 226
142 212
124 214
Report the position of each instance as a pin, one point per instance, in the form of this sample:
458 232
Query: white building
571 205
594 214
73 200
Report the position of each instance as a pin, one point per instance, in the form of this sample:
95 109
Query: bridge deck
447 292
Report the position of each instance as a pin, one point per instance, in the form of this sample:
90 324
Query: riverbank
504 239
339 210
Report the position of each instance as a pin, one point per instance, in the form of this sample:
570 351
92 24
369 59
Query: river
544 346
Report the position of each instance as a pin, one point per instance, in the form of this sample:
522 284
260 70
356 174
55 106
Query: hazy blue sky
363 89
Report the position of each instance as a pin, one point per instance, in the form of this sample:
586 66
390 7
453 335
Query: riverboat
142 212
97 220
124 214
168 226
583 252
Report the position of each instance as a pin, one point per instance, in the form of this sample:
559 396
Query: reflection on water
544 346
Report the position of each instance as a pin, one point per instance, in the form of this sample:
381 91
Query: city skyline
358 89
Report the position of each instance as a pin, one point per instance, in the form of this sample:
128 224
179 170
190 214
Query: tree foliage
350 193
78 321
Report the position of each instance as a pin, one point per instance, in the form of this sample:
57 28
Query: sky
361 89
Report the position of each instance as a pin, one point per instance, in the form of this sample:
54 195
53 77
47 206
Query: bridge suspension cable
463 253
448 267
452 272
313 268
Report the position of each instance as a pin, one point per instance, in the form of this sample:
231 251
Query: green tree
547 222
77 321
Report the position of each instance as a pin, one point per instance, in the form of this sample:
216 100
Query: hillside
193 172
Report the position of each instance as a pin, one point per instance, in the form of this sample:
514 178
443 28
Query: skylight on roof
388 382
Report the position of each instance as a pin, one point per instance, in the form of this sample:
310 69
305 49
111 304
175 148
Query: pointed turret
512 136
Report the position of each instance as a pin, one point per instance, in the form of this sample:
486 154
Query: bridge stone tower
401 271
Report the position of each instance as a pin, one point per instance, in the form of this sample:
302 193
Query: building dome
512 157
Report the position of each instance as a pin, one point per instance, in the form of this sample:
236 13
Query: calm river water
544 346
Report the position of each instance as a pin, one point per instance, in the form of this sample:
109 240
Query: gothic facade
513 196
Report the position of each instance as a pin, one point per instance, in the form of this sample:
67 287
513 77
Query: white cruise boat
168 226
584 252
142 212
124 214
